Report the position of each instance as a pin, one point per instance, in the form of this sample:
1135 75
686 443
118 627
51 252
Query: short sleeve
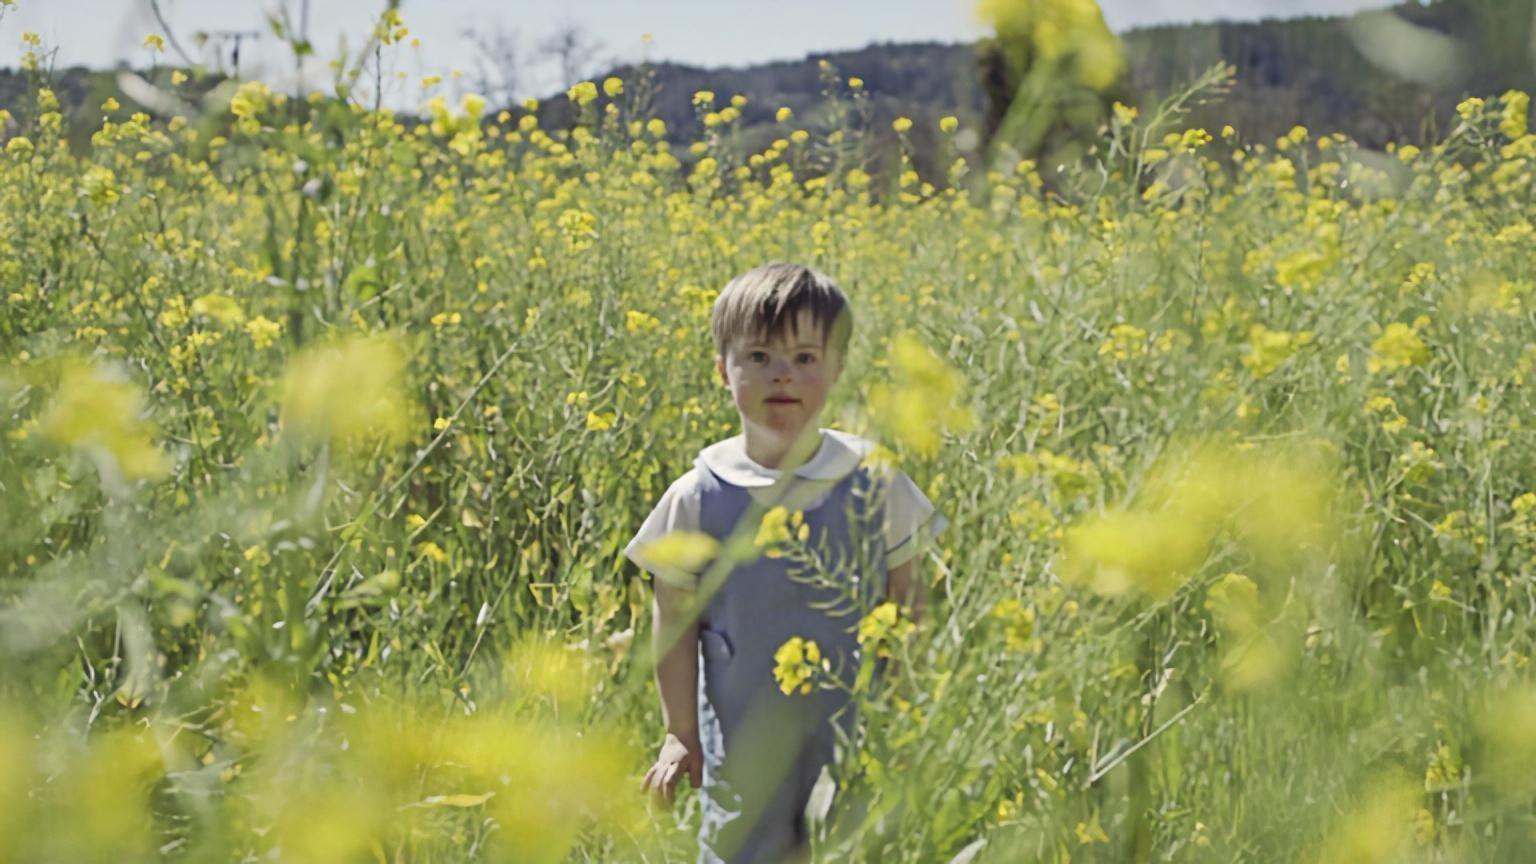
678 510
911 521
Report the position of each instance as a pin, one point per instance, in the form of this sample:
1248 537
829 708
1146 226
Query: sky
101 33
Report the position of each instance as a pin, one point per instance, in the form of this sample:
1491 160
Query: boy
754 747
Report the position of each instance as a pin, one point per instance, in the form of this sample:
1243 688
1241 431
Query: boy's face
781 384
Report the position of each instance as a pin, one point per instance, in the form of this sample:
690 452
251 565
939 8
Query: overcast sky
701 32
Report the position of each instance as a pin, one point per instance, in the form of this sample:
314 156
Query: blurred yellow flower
1398 347
98 410
220 307
1070 32
349 391
948 124
431 551
263 331
1267 349
783 114
250 100
1275 502
1514 119
614 87
923 400
598 422
902 125
688 551
1018 624
582 93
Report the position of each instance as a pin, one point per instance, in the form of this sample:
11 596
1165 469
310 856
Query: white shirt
910 518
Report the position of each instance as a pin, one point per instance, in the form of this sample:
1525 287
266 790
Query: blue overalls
763 750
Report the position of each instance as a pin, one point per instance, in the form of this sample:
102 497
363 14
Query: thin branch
154 6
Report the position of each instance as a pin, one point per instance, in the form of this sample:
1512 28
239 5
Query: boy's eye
758 356
808 358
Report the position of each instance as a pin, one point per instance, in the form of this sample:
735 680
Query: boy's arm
675 640
903 588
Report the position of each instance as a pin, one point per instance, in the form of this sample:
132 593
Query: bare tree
573 48
499 65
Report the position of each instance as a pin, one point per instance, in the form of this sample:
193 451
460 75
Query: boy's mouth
782 400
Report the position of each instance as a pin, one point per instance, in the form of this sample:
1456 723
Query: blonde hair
768 299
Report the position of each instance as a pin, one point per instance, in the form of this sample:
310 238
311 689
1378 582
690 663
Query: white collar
838 456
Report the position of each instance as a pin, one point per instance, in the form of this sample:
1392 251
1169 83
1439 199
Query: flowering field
322 433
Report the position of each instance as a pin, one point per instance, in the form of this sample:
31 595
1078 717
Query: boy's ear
725 380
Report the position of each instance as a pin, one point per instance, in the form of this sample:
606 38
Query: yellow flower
110 105
855 83
220 307
348 391
637 322
1514 120
1275 503
948 124
1069 32
99 410
902 125
599 422
924 398
783 114
773 532
1398 347
883 625
1267 349
704 98
250 100
263 331
155 41
795 663
688 551
1091 832
1125 342
1018 624
582 93
428 549
614 87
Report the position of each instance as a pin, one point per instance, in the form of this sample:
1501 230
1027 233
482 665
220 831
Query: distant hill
1323 73
1329 74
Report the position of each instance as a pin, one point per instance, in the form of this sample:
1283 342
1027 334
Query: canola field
322 432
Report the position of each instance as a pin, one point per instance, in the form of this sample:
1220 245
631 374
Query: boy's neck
785 456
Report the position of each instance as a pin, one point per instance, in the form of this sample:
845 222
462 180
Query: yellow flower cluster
796 664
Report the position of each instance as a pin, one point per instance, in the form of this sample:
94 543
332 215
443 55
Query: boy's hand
678 756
